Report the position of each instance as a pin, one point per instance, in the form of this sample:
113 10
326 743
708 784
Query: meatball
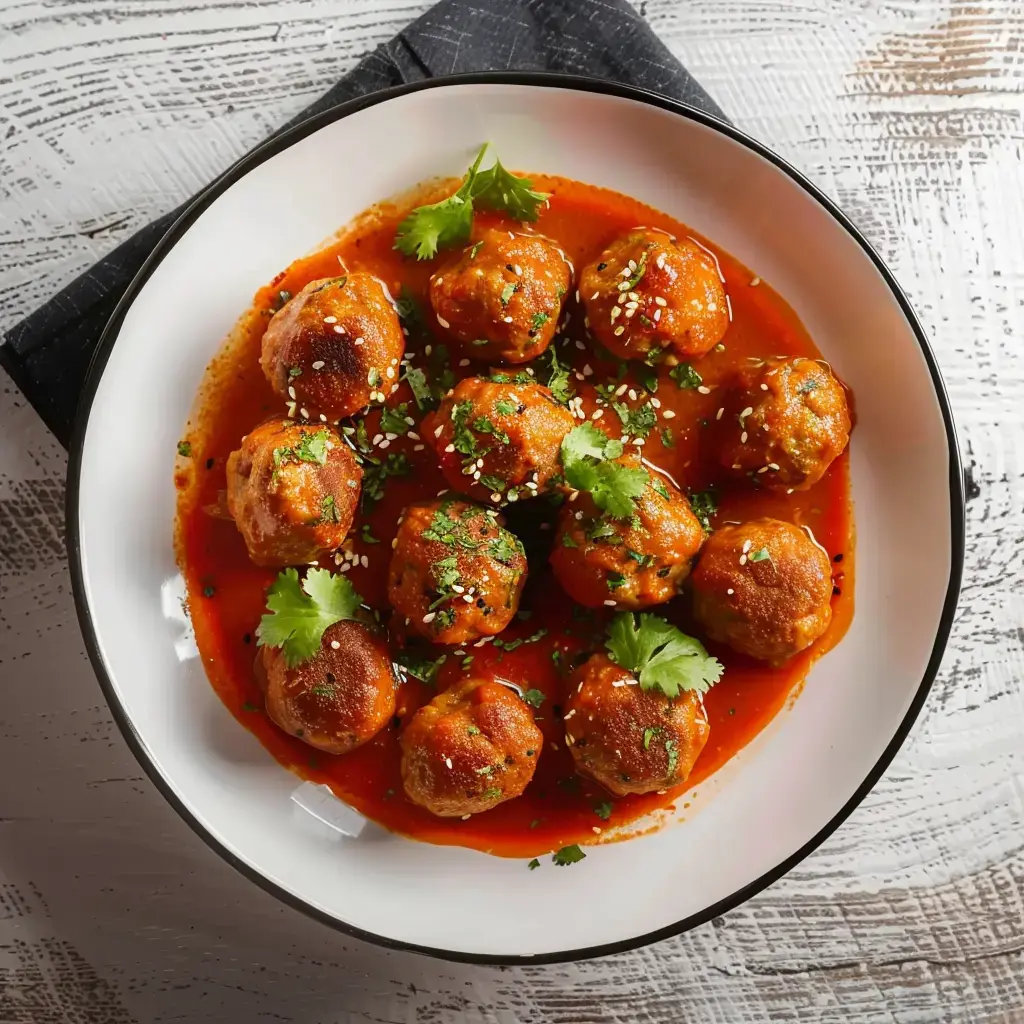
471 748
650 293
764 588
456 573
338 699
633 563
785 421
498 440
628 739
502 299
292 491
334 346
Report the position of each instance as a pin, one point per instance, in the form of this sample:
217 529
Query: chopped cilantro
503 407
376 474
559 382
505 547
667 437
661 656
672 749
311 448
647 376
636 422
484 425
393 421
491 794
603 810
533 863
615 580
811 384
420 388
704 505
761 556
508 291
295 371
685 376
298 615
366 536
419 666
373 378
474 249
539 320
533 697
587 456
329 510
660 488
473 730
568 542
650 734
568 855
641 269
185 449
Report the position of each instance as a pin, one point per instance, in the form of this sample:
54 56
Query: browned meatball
342 697
292 491
628 739
456 573
499 441
471 748
649 293
631 563
785 421
335 347
501 300
764 588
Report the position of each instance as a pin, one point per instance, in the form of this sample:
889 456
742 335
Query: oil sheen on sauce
226 592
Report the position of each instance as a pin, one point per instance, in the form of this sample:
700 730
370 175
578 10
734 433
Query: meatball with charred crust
635 562
764 588
785 422
650 295
456 574
502 298
338 699
335 347
471 748
498 440
629 739
292 491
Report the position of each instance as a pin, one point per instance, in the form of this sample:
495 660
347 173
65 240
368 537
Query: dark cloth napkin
48 353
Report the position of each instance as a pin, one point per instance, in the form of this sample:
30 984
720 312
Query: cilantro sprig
298 614
588 456
449 222
661 656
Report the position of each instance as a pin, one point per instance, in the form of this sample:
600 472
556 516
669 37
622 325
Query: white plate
752 821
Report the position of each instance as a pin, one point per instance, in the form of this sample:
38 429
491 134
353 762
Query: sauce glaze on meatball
499 441
502 299
292 490
628 739
471 748
635 562
649 294
764 588
456 574
338 699
785 421
334 346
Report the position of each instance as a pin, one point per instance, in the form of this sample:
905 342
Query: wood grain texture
911 114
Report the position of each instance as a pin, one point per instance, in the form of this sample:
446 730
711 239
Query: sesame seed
412 435
291 392
657 315
597 414
743 559
519 270
444 323
365 562
437 431
764 387
746 412
632 305
639 442
632 395
428 350
730 591
385 443
495 497
763 469
621 390
618 331
377 438
660 261
359 341
747 545
291 409
508 319
669 414
704 390
609 603
390 373
580 345
587 370
304 413
743 437
596 829
330 319
429 617
448 761
449 449
466 817
616 310
318 365
773 465
418 447
394 543
632 266
335 645
755 282
660 300
338 329
513 496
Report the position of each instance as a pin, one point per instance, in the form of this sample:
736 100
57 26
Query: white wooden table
910 113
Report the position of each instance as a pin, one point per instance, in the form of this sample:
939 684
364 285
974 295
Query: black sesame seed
837 558
836 591
209 463
246 638
209 591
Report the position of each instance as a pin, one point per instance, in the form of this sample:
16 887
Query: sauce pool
226 592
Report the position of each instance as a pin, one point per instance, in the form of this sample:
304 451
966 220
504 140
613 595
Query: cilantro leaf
568 855
497 189
503 407
636 422
185 449
311 448
440 225
587 455
661 656
533 864
539 320
559 383
508 291
420 388
419 666
764 555
297 616
603 810
533 697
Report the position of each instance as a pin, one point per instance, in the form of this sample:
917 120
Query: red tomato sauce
226 592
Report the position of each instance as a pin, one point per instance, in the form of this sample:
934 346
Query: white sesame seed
621 390
449 449
657 315
365 562
609 603
669 414
390 436
377 438
385 443
704 390
616 310
291 392
330 319
304 413
747 544
513 496
495 497
318 365
508 319
660 300
596 829
418 447
437 430
763 469
291 410
338 329
429 617
764 387
773 465
660 261
755 282
730 591
743 559
587 369
639 442
632 305
448 761
359 341
428 350
394 543
335 645
390 373
632 395
444 323
518 269
743 437
597 414
463 362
